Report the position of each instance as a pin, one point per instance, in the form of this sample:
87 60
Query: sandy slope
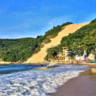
39 57
3 62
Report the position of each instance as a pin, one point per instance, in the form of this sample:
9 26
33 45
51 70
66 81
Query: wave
38 82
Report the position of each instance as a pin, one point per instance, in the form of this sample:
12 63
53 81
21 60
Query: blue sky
29 18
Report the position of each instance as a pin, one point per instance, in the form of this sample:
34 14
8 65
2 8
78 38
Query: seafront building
63 57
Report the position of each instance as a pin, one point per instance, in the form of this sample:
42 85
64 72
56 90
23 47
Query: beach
38 82
84 85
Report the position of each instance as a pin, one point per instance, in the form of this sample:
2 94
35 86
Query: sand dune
39 57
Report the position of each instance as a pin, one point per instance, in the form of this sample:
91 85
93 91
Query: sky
30 18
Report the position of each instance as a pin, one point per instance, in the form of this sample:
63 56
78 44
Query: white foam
37 82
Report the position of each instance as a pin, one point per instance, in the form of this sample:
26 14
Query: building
62 56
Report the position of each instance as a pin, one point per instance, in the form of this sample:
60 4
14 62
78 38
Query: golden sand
39 57
84 85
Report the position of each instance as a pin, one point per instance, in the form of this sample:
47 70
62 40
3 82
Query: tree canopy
22 49
77 42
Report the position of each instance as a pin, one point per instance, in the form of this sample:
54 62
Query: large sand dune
39 57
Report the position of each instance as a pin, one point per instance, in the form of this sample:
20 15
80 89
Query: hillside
82 39
19 50
39 57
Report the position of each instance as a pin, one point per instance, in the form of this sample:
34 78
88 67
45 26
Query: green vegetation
22 49
55 30
18 49
82 39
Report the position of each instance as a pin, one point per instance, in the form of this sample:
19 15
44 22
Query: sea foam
38 82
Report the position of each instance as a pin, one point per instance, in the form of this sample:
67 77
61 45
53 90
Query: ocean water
37 82
10 68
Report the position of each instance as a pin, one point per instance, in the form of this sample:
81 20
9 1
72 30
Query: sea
26 80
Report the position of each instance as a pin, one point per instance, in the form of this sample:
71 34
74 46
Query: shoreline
36 82
83 85
44 63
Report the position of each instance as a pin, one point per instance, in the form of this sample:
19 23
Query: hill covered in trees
18 49
77 42
21 49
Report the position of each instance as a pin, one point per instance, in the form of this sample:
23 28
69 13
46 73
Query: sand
39 57
4 62
84 85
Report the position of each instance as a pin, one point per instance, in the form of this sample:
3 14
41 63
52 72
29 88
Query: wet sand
84 85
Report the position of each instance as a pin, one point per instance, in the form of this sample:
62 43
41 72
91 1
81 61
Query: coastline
75 86
83 85
36 82
43 63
